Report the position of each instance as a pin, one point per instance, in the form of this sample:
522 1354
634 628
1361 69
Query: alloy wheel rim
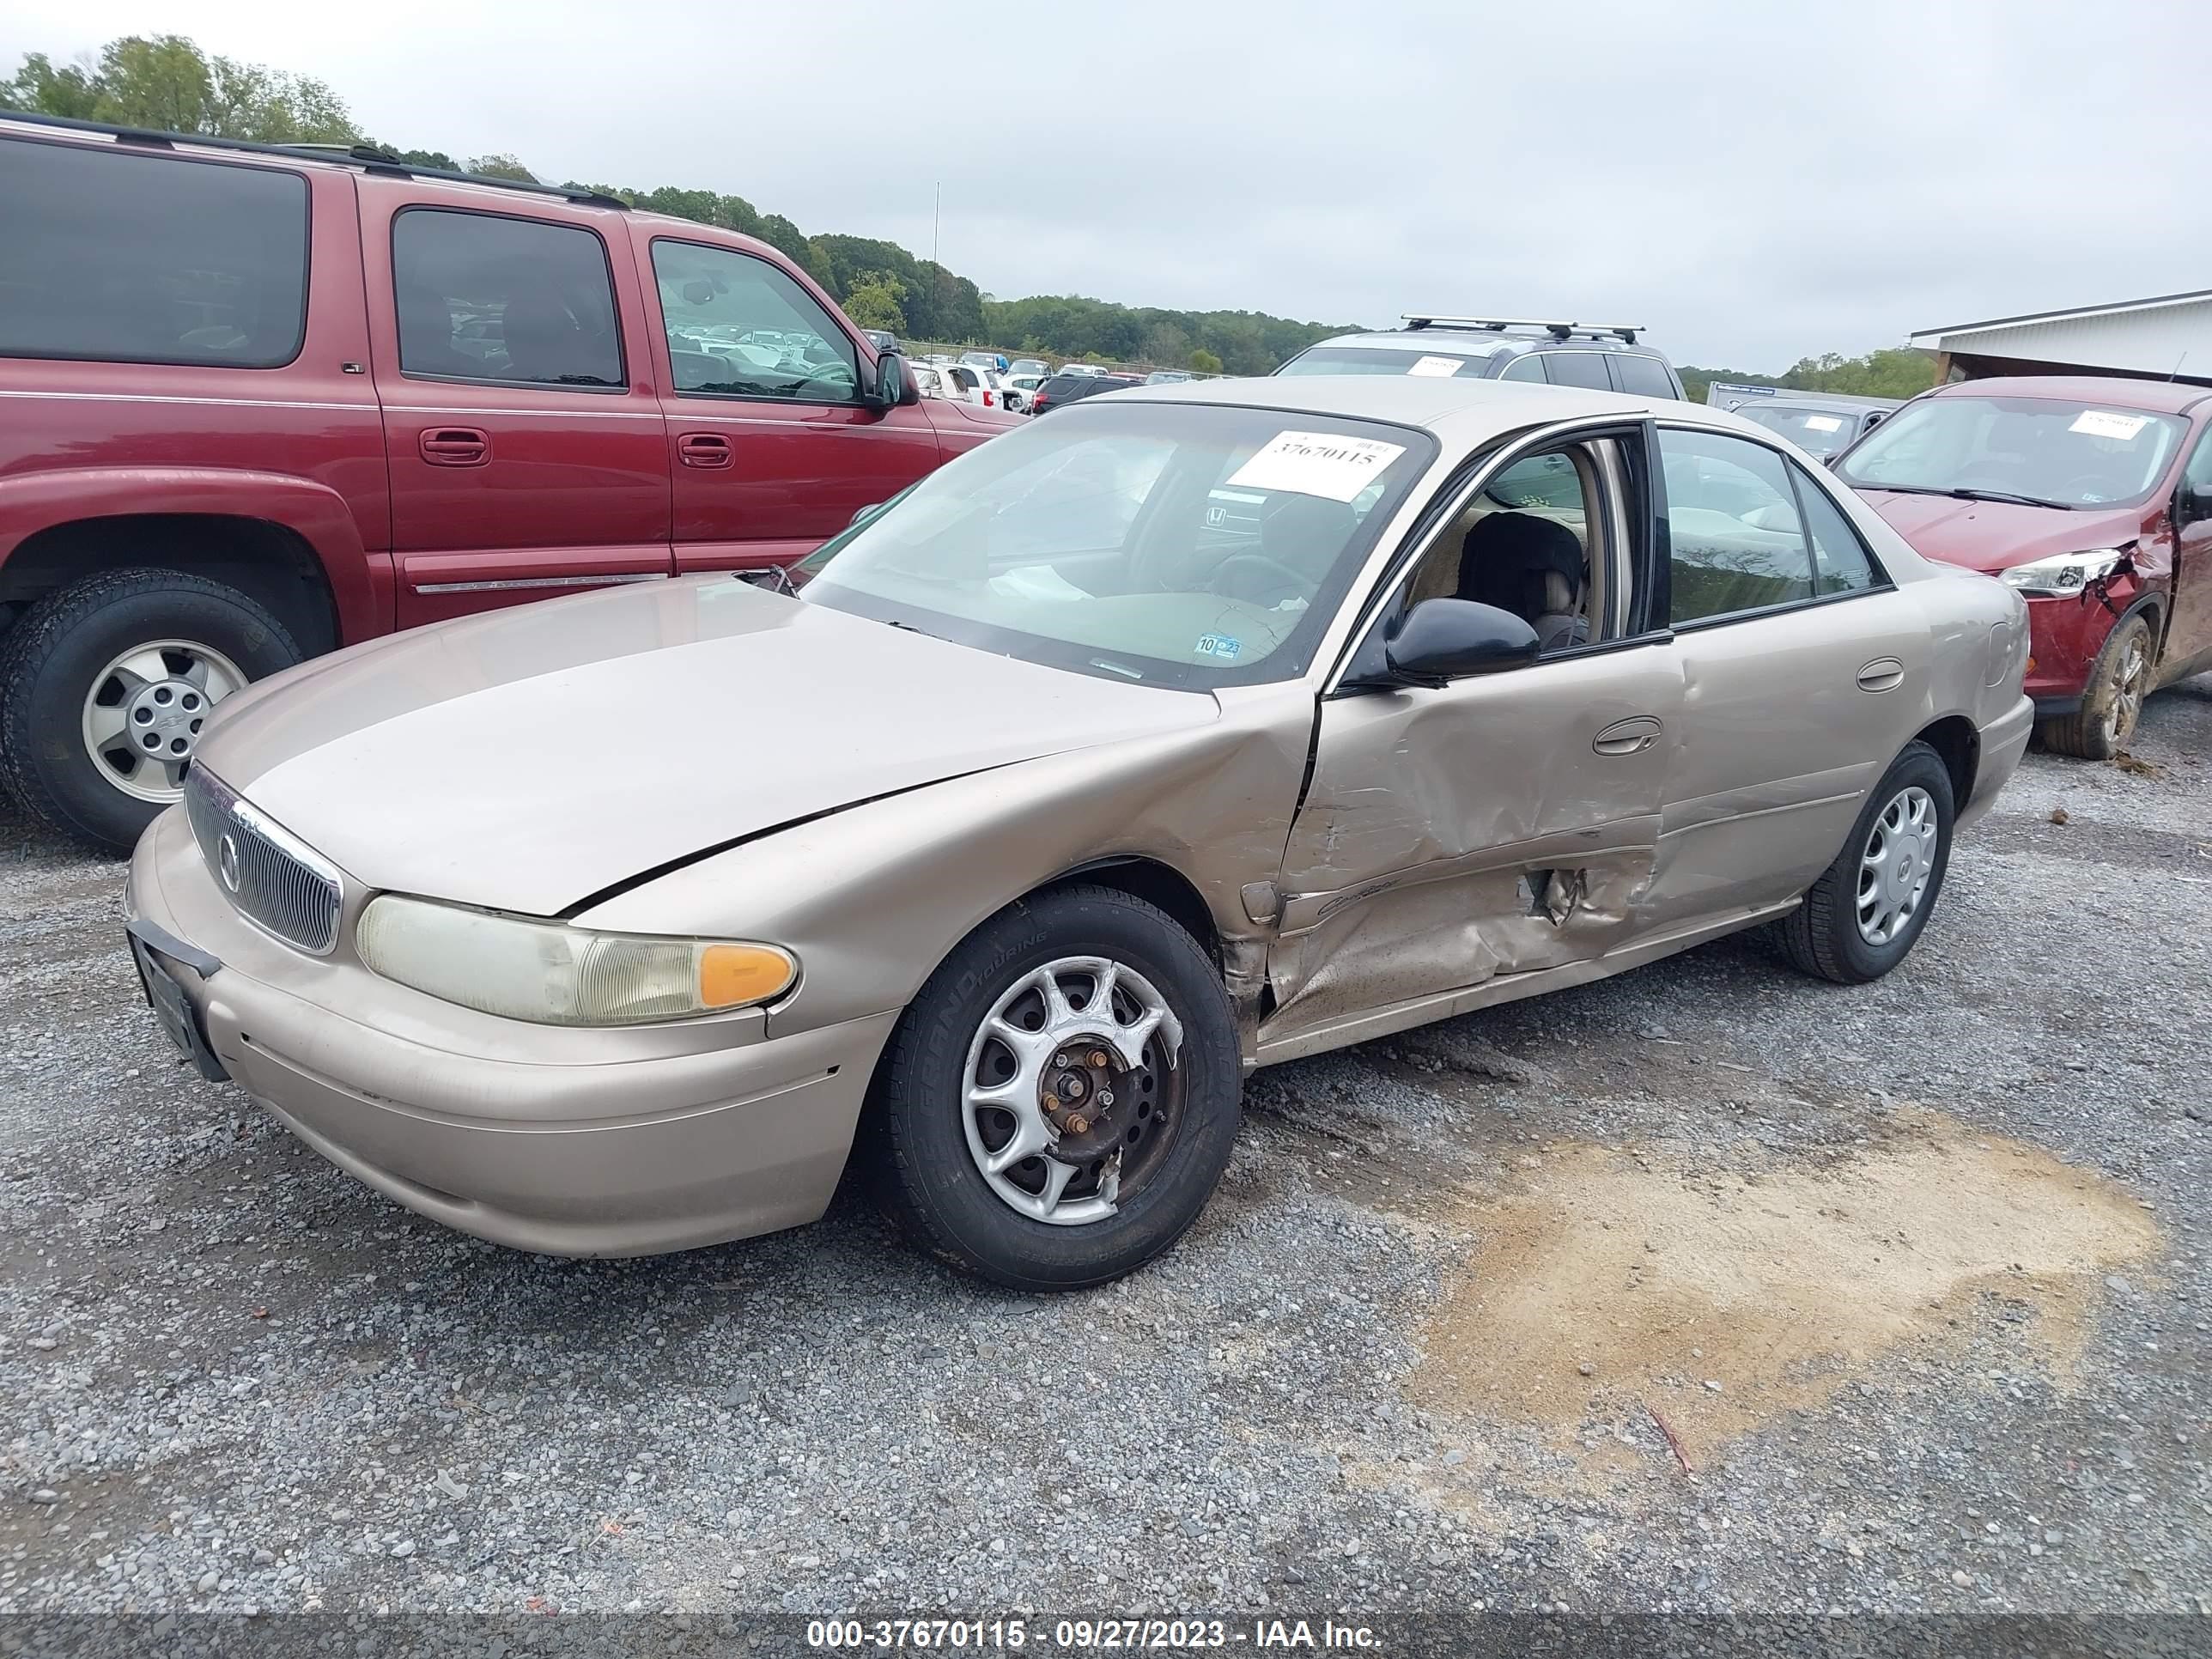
1896 865
1073 1089
2127 690
143 714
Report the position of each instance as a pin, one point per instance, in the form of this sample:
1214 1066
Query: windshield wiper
2004 495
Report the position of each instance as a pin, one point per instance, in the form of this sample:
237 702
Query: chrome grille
268 874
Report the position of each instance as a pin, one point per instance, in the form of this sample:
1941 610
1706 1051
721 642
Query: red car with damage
259 403
2092 496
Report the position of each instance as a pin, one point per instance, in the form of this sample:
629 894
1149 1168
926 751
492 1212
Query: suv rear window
1641 376
149 260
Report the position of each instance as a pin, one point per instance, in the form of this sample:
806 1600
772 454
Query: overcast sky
1752 182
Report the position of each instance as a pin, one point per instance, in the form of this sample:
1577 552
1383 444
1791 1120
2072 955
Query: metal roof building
2167 337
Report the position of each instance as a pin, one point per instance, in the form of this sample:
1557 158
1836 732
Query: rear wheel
1861 918
2113 701
106 686
1060 1100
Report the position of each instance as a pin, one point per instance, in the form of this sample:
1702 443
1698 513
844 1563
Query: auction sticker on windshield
2102 423
1823 423
1442 367
1325 464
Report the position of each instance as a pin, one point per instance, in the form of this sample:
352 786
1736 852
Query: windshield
1178 544
1465 362
1819 431
2053 451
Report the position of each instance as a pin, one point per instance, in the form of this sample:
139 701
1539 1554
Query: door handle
1631 736
709 449
454 446
1882 674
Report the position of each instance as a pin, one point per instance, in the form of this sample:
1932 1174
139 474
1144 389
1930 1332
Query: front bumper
574 1143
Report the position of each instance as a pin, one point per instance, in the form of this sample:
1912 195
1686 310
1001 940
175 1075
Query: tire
2119 680
926 1144
1823 937
66 656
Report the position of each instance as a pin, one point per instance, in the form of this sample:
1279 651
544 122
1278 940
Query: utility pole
936 214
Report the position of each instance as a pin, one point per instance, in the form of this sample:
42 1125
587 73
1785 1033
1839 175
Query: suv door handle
1631 736
1882 674
704 449
454 446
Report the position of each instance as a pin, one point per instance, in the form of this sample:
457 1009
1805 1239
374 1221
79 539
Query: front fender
361 586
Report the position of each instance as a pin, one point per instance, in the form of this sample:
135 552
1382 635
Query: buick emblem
226 859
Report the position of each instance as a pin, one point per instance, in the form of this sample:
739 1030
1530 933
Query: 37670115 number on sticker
1330 464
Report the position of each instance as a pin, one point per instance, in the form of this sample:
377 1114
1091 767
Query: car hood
530 758
1994 536
968 414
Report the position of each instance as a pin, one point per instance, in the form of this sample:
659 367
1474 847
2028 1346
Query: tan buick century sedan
1192 729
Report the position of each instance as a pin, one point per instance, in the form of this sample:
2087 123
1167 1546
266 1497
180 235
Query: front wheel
1861 918
1060 1100
2112 700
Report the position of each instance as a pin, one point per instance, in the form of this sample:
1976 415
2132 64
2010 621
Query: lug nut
1078 1125
1099 1057
1105 1097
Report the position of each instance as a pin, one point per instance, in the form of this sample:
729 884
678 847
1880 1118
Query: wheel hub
162 719
1085 1094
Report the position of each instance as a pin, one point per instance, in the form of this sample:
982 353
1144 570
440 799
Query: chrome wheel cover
1897 864
143 714
1038 1126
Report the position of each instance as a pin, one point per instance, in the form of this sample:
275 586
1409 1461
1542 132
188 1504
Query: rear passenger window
1737 542
1640 376
484 297
1577 368
1841 564
147 259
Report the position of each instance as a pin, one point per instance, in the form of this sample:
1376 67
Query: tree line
168 84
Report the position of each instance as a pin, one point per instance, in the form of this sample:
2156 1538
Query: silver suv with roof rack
1600 356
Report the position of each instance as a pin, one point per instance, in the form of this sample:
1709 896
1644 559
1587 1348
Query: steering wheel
1299 586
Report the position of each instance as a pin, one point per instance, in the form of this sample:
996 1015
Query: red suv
258 403
2092 496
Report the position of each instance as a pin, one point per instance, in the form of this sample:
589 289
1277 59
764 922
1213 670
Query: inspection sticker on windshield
1823 423
1442 367
1218 644
1325 464
2103 423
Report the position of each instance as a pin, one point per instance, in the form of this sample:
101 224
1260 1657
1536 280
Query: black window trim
856 401
1721 619
614 296
307 262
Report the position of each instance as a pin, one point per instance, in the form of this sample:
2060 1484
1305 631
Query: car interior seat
1532 567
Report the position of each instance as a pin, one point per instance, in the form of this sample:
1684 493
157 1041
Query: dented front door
1498 825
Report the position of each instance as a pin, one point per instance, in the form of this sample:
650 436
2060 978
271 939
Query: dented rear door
1496 825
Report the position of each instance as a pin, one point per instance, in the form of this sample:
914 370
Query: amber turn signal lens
731 974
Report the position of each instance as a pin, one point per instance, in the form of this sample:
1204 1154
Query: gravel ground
1913 1275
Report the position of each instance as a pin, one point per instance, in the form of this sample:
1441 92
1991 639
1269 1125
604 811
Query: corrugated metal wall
2152 342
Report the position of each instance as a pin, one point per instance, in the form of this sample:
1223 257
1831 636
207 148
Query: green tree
1203 362
873 302
72 90
499 165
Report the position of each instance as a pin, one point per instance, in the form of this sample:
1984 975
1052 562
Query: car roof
1464 411
2112 391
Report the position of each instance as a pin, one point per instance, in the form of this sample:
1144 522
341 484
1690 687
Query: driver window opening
1524 544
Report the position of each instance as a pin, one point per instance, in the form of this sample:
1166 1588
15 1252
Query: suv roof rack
1626 332
382 162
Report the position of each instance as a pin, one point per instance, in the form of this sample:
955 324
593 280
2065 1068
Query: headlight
554 974
2063 574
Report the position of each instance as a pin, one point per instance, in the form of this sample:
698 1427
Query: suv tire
2112 700
1169 1131
63 679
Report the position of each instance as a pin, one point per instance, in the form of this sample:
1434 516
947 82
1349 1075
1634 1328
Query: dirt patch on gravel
1665 1280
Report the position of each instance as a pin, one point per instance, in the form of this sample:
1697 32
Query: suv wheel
2112 700
106 687
1060 1099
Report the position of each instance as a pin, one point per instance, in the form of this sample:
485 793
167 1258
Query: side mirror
2195 503
1441 640
894 385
